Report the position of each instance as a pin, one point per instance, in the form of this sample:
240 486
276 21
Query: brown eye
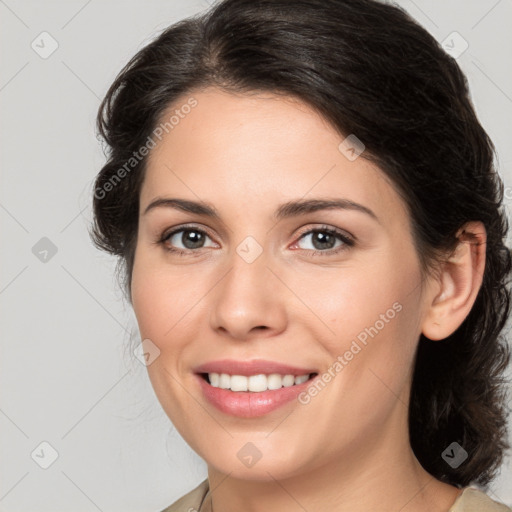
185 240
325 240
189 238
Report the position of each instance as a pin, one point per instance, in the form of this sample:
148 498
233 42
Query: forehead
255 150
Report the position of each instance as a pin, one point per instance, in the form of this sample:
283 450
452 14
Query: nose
249 301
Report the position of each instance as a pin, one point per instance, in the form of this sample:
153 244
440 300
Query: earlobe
458 283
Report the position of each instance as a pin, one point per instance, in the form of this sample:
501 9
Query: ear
458 283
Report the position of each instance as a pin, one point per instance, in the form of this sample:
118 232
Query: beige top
469 500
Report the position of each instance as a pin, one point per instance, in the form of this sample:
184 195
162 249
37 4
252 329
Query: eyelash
348 242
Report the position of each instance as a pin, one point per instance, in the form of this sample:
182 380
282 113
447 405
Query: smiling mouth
255 383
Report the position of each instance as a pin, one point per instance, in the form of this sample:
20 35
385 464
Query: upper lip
254 367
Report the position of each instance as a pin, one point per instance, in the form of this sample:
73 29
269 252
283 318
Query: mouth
249 389
255 383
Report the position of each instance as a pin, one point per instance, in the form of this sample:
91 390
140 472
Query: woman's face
264 281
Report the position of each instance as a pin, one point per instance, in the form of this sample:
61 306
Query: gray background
66 376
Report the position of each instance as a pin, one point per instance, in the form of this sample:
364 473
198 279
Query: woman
311 229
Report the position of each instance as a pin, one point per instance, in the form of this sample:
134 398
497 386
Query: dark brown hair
372 71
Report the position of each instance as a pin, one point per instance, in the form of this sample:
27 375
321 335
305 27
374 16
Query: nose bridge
246 297
248 280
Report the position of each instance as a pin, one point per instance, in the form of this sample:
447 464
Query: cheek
372 313
163 298
350 301
164 302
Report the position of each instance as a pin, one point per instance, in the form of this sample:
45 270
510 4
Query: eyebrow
286 210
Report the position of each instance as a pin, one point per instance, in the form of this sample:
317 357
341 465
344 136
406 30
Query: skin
348 448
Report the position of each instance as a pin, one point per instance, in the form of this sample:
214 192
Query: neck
382 474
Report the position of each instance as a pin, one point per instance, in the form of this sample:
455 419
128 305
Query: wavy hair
370 70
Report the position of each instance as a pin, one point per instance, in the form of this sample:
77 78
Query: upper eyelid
325 227
172 231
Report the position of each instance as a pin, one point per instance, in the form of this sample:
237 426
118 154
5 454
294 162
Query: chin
259 461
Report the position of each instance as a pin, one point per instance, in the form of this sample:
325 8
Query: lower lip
247 404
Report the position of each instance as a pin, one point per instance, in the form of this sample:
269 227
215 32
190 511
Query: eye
322 241
325 240
185 240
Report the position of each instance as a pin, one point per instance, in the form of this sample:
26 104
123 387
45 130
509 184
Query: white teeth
224 381
255 383
288 380
274 381
301 378
214 379
239 383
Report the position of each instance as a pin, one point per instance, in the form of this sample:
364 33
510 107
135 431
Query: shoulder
190 502
470 500
473 500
